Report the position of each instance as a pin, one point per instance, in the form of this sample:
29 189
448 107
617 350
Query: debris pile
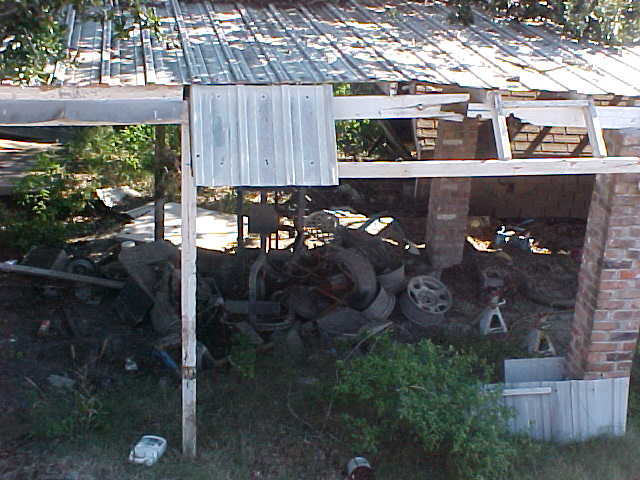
344 276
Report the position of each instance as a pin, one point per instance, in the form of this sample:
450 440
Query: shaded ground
268 427
273 426
17 157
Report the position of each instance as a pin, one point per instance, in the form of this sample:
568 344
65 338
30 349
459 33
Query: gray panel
575 410
82 112
263 136
534 369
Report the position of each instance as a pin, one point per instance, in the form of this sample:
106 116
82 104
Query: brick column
449 197
607 316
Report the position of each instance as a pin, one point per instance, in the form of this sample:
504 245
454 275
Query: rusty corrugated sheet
288 140
210 42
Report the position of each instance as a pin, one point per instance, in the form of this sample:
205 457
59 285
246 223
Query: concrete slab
214 230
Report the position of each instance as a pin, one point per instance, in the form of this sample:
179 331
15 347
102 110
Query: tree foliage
32 32
58 192
603 21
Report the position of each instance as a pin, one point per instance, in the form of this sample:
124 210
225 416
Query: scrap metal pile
343 276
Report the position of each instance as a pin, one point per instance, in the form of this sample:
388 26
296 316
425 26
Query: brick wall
607 316
447 220
449 197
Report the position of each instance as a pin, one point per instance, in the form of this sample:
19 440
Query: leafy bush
429 395
61 185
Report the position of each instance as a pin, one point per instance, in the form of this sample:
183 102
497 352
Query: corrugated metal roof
208 42
289 140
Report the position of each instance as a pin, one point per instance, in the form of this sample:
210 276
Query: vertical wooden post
240 218
188 296
263 236
596 136
275 205
159 182
500 130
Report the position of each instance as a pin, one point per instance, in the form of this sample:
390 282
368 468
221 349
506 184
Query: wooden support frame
165 105
188 294
499 109
489 168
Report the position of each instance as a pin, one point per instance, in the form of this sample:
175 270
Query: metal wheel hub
429 294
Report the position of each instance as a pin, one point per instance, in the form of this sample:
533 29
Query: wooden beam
58 275
92 93
488 168
396 106
596 138
74 112
516 392
510 106
610 117
188 296
500 130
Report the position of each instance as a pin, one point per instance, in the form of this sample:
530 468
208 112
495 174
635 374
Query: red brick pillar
607 316
449 197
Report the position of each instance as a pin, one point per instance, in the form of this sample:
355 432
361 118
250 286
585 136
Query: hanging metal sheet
263 135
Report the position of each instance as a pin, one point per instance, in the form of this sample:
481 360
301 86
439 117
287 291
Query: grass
269 427
598 459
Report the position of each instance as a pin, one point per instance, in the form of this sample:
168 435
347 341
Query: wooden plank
488 168
594 128
513 392
500 131
91 112
509 106
396 106
611 117
188 296
92 93
71 277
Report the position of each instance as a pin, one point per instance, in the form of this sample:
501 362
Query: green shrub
431 396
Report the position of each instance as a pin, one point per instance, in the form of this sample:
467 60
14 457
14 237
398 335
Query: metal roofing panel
289 139
207 42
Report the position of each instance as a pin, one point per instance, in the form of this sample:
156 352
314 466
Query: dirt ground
250 429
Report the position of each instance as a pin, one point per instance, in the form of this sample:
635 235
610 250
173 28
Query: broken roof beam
396 106
554 115
489 168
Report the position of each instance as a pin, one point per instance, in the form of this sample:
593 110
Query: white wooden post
596 137
188 296
500 130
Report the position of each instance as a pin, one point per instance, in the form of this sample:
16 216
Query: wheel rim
429 294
